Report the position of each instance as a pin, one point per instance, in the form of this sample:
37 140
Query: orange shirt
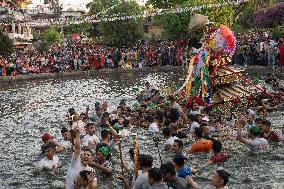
201 146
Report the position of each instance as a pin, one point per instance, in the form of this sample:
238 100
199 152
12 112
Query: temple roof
230 92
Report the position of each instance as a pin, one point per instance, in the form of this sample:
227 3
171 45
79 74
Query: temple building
13 23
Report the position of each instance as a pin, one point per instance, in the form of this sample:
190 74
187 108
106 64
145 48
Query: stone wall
5 79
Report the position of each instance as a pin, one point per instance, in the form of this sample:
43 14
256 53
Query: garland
123 16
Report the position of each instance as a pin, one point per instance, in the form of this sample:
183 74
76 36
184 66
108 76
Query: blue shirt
184 172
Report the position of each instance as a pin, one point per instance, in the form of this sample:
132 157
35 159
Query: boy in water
218 157
220 179
182 170
86 179
255 143
51 160
103 163
155 179
169 176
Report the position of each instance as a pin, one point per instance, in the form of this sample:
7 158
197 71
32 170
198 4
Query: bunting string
119 17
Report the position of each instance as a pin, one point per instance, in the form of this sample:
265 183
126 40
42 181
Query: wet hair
126 122
155 174
143 106
266 123
224 175
48 146
127 109
131 152
98 108
145 160
179 161
104 133
84 174
71 111
171 98
203 124
217 146
119 107
192 117
105 114
166 131
198 132
86 149
123 101
167 122
168 168
90 125
83 114
160 115
64 130
150 119
258 120
174 114
179 142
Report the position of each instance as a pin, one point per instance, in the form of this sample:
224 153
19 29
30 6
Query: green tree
158 4
6 44
175 26
244 14
49 37
82 29
118 32
278 32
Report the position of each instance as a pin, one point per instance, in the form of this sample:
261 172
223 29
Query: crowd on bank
252 49
258 48
92 136
74 57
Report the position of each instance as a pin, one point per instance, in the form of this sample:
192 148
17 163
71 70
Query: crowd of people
93 136
258 48
74 56
252 49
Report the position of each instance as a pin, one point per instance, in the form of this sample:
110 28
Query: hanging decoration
210 77
122 16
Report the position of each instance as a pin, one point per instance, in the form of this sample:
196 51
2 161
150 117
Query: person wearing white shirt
50 161
80 161
79 124
169 139
192 122
153 127
90 139
255 144
127 128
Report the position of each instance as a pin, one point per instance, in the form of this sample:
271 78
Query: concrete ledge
250 71
5 79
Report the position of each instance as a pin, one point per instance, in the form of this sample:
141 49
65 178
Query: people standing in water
81 160
170 122
169 176
254 143
50 159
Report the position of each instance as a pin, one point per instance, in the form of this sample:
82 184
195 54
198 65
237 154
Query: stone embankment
250 71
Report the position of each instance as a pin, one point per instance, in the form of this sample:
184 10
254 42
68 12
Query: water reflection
30 108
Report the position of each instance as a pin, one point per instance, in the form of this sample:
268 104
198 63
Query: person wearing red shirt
281 51
267 133
218 157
